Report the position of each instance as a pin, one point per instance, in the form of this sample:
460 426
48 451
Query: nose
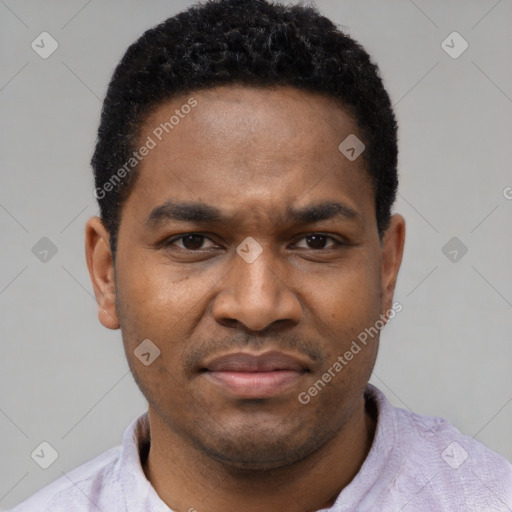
256 295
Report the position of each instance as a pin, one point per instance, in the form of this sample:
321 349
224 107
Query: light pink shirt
416 464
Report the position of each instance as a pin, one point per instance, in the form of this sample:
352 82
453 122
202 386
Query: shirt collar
138 493
383 461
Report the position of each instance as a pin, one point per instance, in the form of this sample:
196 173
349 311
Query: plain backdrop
64 378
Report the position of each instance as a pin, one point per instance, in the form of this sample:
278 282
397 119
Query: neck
188 480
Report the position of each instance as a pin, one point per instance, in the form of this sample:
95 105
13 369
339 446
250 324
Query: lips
246 375
245 362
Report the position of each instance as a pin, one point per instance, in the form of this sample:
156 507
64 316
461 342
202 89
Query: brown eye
317 241
193 242
190 242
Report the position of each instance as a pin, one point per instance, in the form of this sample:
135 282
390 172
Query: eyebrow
204 213
321 211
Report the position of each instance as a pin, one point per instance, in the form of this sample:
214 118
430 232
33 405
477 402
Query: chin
249 449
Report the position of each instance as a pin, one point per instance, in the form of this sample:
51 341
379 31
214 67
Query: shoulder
81 489
103 483
441 465
438 437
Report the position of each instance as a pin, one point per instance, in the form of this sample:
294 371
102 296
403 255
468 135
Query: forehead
250 148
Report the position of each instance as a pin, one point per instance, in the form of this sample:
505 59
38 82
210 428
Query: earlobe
101 271
391 258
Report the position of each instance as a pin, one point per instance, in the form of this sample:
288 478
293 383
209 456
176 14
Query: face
248 254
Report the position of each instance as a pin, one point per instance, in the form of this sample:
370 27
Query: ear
391 257
101 270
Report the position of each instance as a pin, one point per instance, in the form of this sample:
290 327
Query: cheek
153 289
346 304
348 295
150 300
155 305
162 304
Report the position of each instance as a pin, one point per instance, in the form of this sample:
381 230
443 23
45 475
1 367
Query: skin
252 153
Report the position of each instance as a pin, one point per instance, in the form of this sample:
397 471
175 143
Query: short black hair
244 42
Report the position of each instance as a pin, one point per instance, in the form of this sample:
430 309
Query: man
245 170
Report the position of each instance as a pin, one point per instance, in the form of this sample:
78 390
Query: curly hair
250 42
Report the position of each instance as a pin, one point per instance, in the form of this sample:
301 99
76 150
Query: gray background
63 377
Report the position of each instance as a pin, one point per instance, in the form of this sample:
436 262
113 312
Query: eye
190 242
317 241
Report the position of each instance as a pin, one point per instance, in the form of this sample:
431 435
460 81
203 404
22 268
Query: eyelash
170 242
